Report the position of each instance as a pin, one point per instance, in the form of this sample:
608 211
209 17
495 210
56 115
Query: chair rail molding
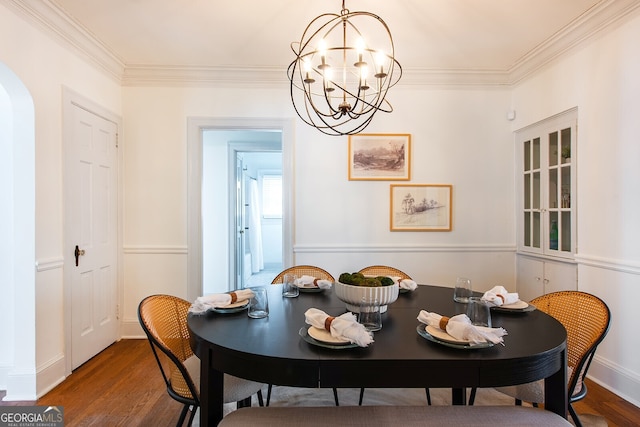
367 248
155 250
621 266
46 264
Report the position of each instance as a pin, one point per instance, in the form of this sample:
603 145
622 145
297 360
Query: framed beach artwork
421 207
379 157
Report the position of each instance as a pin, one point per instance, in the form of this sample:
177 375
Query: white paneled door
91 232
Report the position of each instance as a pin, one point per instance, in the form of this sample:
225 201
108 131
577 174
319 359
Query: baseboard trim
50 375
131 329
616 379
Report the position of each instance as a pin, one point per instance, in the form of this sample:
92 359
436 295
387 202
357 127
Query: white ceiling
453 35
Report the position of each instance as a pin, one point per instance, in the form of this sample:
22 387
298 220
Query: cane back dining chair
385 270
586 319
299 271
303 270
164 320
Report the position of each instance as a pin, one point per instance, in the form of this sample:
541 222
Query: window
272 196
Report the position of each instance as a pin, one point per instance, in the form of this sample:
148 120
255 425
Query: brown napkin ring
327 323
315 282
234 297
443 322
501 297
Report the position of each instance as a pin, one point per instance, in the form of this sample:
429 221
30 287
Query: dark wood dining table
271 350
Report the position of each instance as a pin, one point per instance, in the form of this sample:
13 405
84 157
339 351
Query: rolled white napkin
403 283
460 327
206 302
344 326
408 284
498 296
310 280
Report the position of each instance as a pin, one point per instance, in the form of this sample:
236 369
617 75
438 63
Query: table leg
556 397
459 396
211 393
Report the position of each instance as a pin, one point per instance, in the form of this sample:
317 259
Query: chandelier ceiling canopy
344 66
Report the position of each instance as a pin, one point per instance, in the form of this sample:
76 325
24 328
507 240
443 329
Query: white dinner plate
310 288
233 307
519 305
441 335
422 331
516 307
304 333
325 336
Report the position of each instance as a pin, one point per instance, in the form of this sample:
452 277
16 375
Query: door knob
78 252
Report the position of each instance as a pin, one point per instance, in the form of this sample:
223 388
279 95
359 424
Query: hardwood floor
122 387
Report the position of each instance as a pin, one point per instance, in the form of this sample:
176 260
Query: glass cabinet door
547 218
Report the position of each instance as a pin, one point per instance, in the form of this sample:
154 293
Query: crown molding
54 21
150 75
604 15
51 18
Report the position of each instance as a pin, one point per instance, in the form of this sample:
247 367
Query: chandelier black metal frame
338 80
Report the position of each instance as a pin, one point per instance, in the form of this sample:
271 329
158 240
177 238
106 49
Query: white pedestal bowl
352 295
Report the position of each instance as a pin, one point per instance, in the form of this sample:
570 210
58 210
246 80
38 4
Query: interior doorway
247 154
218 255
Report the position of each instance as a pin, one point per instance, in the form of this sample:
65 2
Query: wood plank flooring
122 387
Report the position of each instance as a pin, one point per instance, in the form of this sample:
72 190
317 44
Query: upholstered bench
373 416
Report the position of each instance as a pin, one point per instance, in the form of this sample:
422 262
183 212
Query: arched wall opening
17 239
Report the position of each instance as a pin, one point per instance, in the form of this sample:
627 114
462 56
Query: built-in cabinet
547 205
539 276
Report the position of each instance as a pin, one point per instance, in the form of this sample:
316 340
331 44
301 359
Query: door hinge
117 139
117 311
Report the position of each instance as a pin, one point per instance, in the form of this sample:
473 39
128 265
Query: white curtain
255 229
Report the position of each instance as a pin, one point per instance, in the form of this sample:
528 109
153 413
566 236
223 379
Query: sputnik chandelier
340 77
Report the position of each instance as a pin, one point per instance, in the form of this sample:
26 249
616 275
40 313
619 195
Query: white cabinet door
560 276
530 278
537 276
546 186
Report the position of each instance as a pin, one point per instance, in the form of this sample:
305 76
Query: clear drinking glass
289 287
462 291
370 315
259 304
479 312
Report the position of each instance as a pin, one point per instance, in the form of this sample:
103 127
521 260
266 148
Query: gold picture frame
421 207
380 157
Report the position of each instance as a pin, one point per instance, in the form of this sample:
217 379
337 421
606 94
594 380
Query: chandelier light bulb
381 60
307 69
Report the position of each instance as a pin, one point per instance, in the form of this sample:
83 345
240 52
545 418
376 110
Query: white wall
339 224
459 137
601 79
44 66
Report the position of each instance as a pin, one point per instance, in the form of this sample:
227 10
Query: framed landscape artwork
379 157
421 207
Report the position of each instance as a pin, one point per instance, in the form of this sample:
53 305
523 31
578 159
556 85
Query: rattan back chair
164 320
304 270
384 270
586 319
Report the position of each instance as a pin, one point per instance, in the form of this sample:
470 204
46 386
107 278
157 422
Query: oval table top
271 350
